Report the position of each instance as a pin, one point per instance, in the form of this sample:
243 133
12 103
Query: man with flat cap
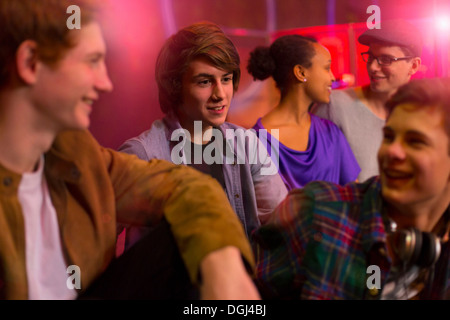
393 56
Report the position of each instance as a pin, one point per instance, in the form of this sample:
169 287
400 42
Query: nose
218 92
373 65
332 76
395 151
103 82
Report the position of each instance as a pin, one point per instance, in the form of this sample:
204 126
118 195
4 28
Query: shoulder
326 125
237 131
327 192
343 94
258 124
341 100
70 142
229 125
157 131
148 142
81 148
158 128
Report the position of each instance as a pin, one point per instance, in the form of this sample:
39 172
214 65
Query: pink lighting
443 23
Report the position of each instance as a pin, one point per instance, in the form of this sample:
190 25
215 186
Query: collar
172 123
58 162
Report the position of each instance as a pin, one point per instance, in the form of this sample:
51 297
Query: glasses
382 60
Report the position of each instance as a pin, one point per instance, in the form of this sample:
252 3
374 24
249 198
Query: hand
224 277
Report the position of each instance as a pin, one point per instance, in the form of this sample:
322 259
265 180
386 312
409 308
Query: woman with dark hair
310 148
198 72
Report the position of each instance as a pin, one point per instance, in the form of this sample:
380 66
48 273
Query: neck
423 218
294 106
199 133
376 101
22 139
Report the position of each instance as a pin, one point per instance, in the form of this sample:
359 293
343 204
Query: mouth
88 101
395 177
218 109
375 78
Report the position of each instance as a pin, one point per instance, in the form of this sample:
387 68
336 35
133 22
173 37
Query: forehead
407 116
322 53
88 40
386 49
202 66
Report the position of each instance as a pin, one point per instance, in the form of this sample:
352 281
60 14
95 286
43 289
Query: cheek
192 99
432 173
318 92
380 154
229 93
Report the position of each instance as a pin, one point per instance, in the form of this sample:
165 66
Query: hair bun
261 64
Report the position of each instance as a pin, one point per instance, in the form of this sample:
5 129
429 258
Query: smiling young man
393 56
62 195
324 241
198 72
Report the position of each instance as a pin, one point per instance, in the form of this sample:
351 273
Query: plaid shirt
321 241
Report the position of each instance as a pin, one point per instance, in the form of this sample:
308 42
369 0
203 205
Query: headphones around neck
414 247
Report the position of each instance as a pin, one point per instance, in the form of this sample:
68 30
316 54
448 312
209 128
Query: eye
227 79
388 137
385 59
204 82
95 60
416 142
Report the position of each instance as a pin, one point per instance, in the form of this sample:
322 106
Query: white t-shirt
46 268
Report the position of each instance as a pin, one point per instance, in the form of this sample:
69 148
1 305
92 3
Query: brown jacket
94 188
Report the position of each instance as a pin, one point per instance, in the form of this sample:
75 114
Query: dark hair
43 21
425 93
203 39
279 59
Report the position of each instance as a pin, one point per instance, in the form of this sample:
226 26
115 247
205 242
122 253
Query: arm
349 167
270 189
224 277
133 146
195 206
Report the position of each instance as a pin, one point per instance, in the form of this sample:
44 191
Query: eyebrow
381 55
408 132
96 54
207 75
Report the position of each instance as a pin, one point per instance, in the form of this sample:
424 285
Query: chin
379 88
323 100
217 122
397 197
84 125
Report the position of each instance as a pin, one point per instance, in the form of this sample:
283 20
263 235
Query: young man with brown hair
62 194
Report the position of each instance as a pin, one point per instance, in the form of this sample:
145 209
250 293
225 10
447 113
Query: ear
415 66
299 73
26 61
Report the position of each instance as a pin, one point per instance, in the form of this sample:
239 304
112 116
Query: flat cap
396 32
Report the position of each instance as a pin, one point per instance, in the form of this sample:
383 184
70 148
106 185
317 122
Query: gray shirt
361 127
253 191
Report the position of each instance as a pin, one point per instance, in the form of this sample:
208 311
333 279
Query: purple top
327 158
